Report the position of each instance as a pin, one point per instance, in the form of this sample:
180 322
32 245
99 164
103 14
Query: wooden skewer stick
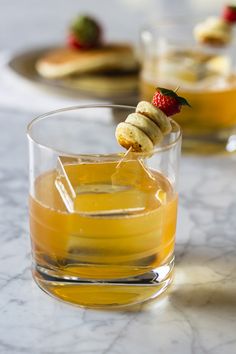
123 158
139 161
177 88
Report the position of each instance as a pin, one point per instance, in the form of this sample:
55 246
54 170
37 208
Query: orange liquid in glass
101 239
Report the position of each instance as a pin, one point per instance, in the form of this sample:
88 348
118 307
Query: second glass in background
205 76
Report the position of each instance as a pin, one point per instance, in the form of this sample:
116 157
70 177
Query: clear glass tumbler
102 222
204 75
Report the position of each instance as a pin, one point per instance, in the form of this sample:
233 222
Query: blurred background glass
204 74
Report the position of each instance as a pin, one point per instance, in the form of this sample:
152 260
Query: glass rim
178 20
46 115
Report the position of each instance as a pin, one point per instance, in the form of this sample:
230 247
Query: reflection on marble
197 315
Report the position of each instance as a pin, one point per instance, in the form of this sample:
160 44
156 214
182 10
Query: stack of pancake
109 70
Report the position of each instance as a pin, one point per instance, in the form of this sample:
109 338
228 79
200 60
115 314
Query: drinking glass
204 75
102 221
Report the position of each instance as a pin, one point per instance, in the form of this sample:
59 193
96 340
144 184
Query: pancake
129 135
62 62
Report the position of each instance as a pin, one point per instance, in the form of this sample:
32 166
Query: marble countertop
197 315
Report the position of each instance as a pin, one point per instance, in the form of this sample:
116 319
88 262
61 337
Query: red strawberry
85 33
72 41
229 13
168 101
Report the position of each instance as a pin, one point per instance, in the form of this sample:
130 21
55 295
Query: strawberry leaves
170 93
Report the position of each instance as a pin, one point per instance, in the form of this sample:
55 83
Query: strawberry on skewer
168 101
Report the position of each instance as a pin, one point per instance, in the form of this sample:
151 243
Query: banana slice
129 135
156 115
146 125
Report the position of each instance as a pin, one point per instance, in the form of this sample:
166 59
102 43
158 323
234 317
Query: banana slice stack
143 129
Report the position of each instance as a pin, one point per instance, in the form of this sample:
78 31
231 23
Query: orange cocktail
102 225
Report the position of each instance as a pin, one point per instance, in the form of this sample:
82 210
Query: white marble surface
197 315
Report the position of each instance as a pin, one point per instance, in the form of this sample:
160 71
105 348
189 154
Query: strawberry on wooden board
168 101
84 33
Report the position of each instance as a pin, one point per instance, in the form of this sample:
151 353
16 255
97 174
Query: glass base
105 294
